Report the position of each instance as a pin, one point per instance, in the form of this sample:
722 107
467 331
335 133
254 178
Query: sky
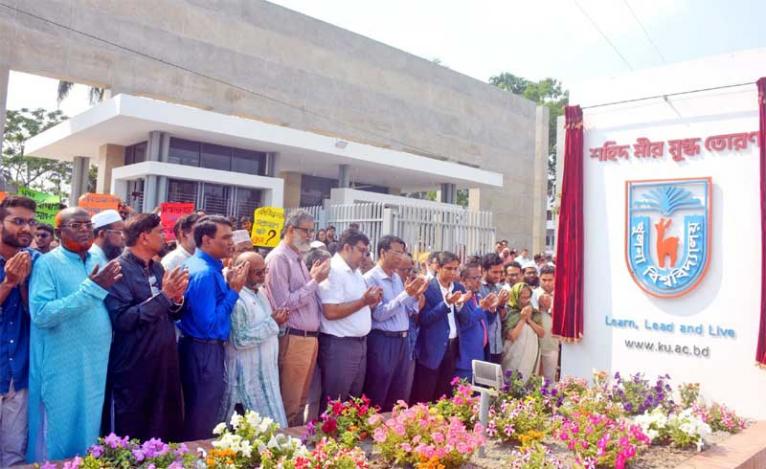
570 40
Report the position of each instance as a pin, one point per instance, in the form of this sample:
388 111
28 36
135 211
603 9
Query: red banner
170 212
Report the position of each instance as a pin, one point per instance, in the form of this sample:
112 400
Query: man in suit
437 344
474 320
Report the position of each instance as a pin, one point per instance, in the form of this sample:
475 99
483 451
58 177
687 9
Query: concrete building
243 103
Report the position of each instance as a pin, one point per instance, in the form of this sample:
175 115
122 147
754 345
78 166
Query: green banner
47 204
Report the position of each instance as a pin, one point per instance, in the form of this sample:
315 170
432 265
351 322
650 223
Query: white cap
318 244
107 217
241 236
528 265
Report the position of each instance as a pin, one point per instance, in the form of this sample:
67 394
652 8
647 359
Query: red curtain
568 307
760 354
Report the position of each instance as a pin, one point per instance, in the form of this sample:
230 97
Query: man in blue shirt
205 324
388 348
17 218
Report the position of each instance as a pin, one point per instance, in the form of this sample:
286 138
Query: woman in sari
522 329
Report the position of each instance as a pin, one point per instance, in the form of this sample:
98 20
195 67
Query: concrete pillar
80 166
109 157
292 192
448 193
474 199
4 77
271 163
150 193
154 146
344 176
540 186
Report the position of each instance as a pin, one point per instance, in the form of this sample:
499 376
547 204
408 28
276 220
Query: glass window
215 198
182 191
135 153
184 152
216 157
246 202
247 161
315 189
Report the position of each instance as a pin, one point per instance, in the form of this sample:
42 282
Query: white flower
246 448
236 419
253 418
220 428
264 426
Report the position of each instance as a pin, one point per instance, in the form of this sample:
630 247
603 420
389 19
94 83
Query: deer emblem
666 247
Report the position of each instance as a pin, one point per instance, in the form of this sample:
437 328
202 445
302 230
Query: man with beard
292 286
109 239
17 221
144 392
69 342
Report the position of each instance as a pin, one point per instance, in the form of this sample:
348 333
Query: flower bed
613 422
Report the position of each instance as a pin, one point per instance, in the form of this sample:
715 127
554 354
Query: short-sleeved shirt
341 286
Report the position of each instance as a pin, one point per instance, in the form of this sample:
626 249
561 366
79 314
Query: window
246 201
216 157
135 153
315 189
184 152
182 191
247 161
215 198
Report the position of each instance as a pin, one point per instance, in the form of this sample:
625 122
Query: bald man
252 351
69 342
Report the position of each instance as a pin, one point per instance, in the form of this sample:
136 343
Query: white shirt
341 286
175 257
451 314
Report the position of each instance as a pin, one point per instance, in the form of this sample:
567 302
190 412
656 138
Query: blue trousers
387 369
202 379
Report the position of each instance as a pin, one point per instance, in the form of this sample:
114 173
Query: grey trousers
13 427
343 361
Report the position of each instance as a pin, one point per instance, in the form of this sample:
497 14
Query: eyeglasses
21 222
78 225
309 232
44 234
118 232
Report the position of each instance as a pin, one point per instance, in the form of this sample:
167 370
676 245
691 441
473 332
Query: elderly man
109 240
252 371
17 219
206 323
346 319
184 231
144 396
69 342
388 348
292 286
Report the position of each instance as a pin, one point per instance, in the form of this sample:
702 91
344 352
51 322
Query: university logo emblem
667 242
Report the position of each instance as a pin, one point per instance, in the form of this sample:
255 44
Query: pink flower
379 435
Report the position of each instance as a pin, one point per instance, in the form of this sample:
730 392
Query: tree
548 93
95 94
21 170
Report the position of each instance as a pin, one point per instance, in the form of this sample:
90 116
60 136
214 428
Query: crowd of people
105 329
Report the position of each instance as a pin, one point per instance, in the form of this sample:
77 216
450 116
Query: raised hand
280 316
174 283
452 298
108 276
526 313
320 270
372 296
464 298
17 268
413 287
238 276
489 302
502 297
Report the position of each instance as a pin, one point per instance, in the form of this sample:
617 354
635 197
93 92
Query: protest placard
267 225
170 212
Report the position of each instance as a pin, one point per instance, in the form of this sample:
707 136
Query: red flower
363 410
329 426
337 407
